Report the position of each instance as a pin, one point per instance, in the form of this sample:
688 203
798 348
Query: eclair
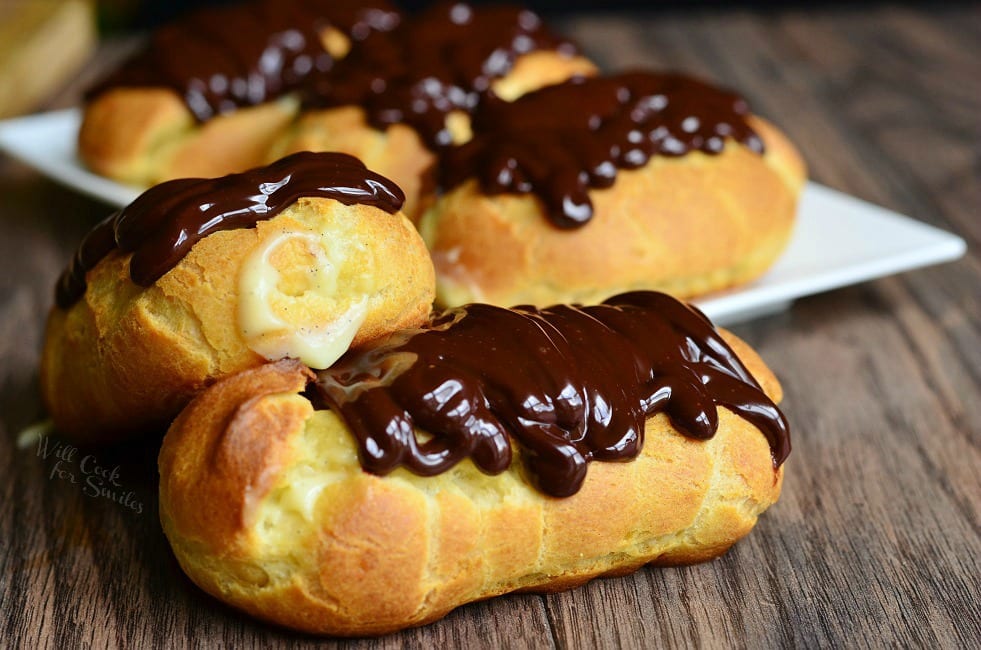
209 93
200 278
489 451
403 96
599 185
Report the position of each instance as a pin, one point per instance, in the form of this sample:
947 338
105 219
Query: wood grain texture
877 539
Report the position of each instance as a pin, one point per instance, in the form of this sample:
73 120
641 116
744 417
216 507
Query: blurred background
122 14
44 43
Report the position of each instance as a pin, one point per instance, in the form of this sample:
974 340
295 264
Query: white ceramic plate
839 239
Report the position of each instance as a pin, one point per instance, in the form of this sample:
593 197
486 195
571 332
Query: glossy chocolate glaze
440 61
561 141
568 384
223 58
163 223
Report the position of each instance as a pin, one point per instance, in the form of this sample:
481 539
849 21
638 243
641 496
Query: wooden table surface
875 541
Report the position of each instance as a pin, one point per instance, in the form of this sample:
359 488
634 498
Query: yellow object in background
42 43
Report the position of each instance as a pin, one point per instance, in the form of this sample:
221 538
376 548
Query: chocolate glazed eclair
199 278
641 180
210 92
489 451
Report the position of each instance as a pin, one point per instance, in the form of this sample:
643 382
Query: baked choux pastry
200 278
489 451
209 93
403 96
600 185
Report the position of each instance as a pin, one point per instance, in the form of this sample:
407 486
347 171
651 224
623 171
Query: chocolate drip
163 223
441 61
569 384
561 141
220 59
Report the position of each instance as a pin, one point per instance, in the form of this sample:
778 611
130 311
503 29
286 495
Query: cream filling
318 345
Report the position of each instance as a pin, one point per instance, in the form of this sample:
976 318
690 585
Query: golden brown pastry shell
396 153
145 136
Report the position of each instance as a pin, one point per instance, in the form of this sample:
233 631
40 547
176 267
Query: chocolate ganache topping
569 384
163 223
443 60
560 141
224 58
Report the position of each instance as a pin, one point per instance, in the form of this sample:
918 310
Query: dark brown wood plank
877 538
904 378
